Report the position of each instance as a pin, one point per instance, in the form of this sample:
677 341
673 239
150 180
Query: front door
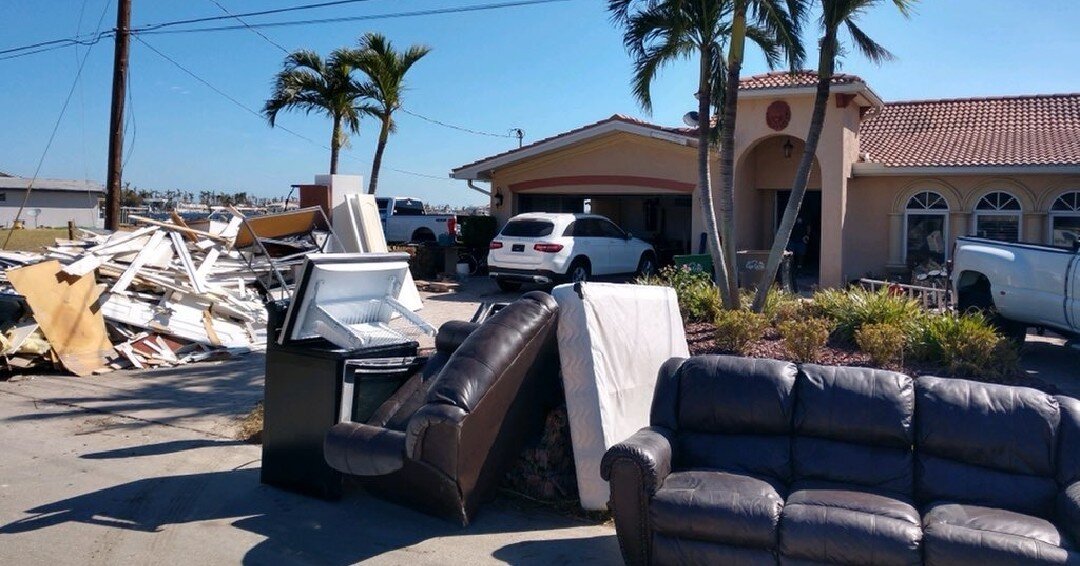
806 236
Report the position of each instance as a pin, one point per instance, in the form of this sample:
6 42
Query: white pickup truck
1024 284
404 220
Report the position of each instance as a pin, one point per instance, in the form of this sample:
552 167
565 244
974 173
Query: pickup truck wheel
1014 332
977 296
508 286
423 236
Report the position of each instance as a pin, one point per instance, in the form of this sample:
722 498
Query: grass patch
251 426
33 239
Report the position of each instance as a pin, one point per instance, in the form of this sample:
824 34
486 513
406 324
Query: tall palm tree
308 83
834 15
657 32
385 70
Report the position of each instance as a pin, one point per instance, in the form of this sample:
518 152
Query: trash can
751 267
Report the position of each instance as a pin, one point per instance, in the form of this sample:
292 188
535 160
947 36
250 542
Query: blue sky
544 69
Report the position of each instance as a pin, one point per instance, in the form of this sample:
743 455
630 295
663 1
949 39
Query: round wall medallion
778 115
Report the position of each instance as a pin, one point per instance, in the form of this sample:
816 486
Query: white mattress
612 341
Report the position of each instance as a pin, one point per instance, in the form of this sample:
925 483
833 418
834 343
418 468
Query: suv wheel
579 271
647 265
507 286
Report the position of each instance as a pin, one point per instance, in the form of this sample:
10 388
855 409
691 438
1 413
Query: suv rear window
527 228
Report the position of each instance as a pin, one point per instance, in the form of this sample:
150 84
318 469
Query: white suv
546 248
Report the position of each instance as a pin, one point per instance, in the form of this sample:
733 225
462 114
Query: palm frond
870 49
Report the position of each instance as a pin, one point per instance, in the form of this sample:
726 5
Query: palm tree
310 84
657 32
834 14
385 69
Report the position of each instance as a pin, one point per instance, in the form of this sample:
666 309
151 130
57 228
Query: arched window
1065 220
926 229
997 216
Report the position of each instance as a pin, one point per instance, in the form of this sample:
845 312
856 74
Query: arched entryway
763 178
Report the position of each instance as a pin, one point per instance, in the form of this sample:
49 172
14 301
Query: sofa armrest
635 469
363 450
1069 511
650 450
433 436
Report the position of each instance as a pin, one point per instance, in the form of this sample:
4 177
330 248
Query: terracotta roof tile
975 132
785 79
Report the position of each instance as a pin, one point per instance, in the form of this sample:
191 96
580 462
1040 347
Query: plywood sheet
64 307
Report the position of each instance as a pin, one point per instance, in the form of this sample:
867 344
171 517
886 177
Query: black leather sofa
444 440
752 461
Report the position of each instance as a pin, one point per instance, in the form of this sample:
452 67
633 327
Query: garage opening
663 220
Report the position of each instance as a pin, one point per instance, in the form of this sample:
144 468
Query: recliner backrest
854 426
731 414
986 444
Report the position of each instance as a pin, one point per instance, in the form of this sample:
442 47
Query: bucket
462 271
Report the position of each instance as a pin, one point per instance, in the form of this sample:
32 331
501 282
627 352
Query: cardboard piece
64 306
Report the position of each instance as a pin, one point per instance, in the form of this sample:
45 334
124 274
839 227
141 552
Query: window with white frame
926 229
1065 220
997 217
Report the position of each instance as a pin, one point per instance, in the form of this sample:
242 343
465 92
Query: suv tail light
496 245
549 248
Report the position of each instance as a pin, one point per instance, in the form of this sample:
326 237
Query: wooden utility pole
116 118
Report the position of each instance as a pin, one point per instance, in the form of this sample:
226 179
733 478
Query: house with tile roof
893 184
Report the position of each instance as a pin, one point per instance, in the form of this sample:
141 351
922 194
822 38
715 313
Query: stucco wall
52 208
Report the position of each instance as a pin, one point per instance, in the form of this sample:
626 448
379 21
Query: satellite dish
690 119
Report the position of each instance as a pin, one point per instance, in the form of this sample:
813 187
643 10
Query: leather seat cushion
719 507
848 524
970 534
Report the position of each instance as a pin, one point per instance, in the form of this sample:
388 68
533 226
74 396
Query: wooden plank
65 308
175 228
189 265
179 221
208 263
129 274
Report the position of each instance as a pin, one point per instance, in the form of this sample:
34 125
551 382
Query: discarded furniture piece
612 342
444 445
754 460
274 244
333 349
359 229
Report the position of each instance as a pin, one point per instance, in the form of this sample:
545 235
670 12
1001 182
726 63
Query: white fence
931 298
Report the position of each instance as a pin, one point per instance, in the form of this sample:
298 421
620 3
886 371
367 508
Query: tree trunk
376 163
335 145
727 154
708 211
826 61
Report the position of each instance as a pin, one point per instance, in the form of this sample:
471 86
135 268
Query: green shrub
966 345
853 307
805 337
883 341
478 231
779 305
736 330
699 300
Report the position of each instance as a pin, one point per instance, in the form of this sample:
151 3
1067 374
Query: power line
249 14
52 135
453 127
259 115
253 30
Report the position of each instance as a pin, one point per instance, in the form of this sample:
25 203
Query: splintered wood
163 294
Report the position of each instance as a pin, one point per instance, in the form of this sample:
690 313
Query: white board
612 341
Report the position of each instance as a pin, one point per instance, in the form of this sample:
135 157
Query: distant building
52 202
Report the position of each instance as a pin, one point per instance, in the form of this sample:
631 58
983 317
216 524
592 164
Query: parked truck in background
1021 285
404 221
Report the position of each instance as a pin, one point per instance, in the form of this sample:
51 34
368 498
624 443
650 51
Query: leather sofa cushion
1011 429
846 524
768 456
669 550
718 507
969 534
1069 447
889 469
732 395
938 479
860 405
492 349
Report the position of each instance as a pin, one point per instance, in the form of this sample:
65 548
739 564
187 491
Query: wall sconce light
498 198
788 146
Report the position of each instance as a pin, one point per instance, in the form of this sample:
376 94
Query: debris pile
161 294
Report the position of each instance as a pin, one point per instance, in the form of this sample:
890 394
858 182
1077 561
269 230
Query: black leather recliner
752 461
444 440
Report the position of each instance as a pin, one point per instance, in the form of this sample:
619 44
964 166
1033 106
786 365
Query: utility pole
116 116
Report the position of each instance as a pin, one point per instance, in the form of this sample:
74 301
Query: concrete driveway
141 467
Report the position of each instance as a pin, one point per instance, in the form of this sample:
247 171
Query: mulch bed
699 337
